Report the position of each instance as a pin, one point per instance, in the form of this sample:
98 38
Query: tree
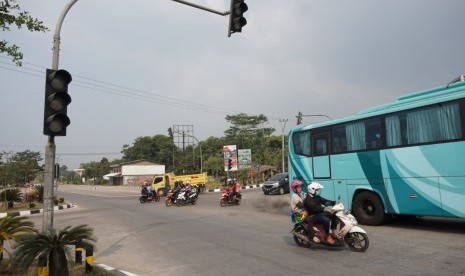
249 132
11 14
96 170
30 246
158 149
10 229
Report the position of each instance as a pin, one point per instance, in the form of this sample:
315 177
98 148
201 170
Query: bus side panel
300 168
413 173
452 191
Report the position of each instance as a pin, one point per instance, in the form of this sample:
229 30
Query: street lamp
300 115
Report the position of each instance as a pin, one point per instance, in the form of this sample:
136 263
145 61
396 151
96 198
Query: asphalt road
250 239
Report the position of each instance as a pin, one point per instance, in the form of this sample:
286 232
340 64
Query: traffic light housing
299 118
236 18
56 104
170 133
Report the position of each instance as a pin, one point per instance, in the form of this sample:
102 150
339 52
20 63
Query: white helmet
314 188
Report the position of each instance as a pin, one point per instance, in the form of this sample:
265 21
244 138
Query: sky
142 66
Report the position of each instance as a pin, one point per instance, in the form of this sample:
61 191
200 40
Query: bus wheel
368 209
161 192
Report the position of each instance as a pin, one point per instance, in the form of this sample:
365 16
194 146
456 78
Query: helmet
188 182
230 181
314 188
146 183
295 183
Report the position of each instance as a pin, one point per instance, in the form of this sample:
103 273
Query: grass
24 206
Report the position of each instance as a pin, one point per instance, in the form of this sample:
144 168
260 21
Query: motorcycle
228 199
172 196
186 196
346 232
145 196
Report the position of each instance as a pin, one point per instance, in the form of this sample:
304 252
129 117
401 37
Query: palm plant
11 228
54 245
11 195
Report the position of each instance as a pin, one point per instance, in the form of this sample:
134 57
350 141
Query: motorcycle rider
236 189
299 213
314 204
145 189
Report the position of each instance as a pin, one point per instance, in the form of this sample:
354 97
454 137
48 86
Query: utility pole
50 148
283 125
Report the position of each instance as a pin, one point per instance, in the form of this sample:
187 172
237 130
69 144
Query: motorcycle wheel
358 242
142 199
168 202
179 202
238 201
302 243
157 198
223 203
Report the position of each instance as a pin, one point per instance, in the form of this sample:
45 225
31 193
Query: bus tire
368 209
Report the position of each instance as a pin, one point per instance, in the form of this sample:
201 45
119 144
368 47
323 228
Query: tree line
245 131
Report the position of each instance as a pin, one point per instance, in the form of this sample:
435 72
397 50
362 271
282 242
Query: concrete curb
243 187
36 211
115 271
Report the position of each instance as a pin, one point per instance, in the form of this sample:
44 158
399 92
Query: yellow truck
162 183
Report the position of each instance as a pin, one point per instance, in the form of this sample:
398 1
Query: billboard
230 158
245 158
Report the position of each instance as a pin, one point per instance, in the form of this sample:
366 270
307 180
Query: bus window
426 125
339 139
301 141
321 146
373 133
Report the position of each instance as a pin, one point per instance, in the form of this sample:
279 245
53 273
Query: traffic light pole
50 148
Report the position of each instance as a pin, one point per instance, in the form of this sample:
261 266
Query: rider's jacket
316 204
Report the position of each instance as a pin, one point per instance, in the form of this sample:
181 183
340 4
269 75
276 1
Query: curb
116 271
243 187
33 212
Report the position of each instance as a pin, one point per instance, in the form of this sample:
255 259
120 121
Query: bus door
320 148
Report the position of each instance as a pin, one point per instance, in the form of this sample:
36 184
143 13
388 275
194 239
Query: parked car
277 184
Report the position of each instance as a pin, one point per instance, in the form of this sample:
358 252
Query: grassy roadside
73 268
24 206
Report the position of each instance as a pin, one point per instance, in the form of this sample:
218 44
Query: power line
114 89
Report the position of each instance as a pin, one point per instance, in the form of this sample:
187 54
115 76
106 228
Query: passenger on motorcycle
236 188
147 189
314 204
299 214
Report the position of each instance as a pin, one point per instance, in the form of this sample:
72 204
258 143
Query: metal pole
201 7
47 224
282 134
56 36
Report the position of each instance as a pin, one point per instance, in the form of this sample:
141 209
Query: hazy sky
142 66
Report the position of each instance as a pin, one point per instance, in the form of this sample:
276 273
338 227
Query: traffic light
236 18
299 118
170 133
56 104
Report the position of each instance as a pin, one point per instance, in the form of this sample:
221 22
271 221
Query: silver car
277 184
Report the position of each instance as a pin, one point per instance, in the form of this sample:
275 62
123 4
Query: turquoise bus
402 158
